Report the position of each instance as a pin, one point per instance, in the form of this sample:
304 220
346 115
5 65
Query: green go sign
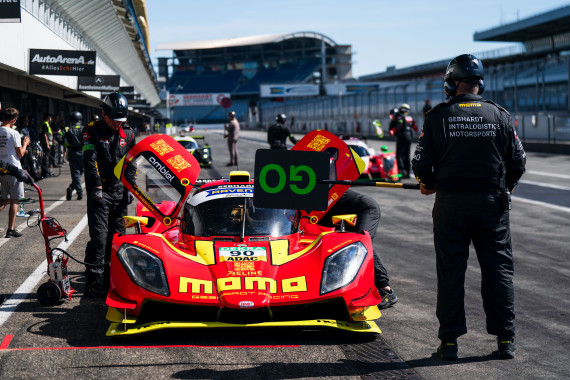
295 176
290 179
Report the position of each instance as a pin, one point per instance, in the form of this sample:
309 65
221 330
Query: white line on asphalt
10 305
541 184
24 225
548 174
544 204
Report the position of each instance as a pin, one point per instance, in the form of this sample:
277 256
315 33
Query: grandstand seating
285 74
185 81
233 81
189 82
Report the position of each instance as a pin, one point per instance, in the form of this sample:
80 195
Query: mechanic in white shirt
12 149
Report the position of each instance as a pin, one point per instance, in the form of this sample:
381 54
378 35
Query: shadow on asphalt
85 325
271 370
435 361
277 370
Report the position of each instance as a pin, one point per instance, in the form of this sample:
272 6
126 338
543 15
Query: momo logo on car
242 254
246 304
227 284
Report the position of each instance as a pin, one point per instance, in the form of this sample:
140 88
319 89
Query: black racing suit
46 134
470 154
368 217
103 148
74 143
277 136
402 127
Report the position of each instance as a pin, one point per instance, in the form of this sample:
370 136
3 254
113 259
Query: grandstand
239 66
531 79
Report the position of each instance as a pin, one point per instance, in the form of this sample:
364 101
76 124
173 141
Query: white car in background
363 150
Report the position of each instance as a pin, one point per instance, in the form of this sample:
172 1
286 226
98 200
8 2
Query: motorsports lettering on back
469 126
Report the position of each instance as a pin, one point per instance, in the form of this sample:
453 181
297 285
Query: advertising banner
188 100
99 83
10 11
286 90
62 62
351 88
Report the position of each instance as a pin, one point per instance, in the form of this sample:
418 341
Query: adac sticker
123 142
85 136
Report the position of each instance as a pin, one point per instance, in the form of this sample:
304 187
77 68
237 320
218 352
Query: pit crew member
74 144
402 127
104 144
278 133
470 156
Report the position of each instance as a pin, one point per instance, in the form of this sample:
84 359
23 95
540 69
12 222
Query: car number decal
242 254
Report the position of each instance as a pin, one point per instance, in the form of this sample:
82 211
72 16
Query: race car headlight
341 267
144 268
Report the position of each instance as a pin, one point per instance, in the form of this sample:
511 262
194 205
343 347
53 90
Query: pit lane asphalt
69 340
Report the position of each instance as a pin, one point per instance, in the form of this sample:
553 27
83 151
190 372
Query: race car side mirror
132 220
135 221
341 220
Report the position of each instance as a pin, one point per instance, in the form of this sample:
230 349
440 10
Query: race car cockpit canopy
228 210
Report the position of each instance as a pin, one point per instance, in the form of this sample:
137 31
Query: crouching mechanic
104 144
367 218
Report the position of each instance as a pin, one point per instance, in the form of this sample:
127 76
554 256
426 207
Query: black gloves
97 195
23 176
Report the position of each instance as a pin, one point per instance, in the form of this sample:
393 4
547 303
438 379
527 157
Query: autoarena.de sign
62 62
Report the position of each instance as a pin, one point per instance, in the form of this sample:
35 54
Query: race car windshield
360 150
227 217
188 145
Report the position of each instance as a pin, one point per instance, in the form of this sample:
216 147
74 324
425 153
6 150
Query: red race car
384 165
205 256
381 165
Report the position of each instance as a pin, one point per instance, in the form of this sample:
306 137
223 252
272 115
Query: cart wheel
48 294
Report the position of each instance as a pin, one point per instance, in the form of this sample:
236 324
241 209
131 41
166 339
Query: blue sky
382 33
